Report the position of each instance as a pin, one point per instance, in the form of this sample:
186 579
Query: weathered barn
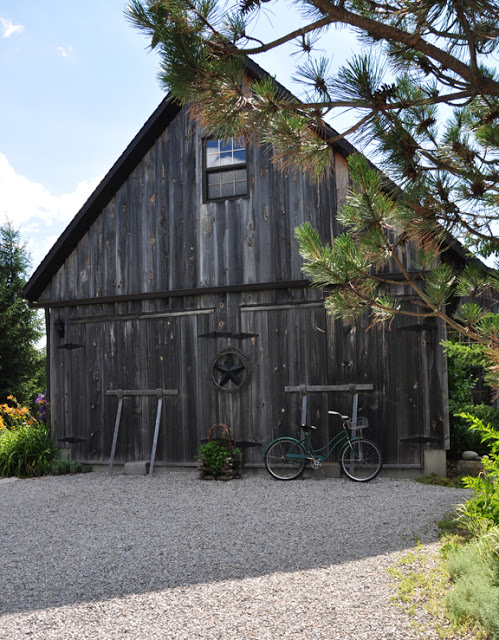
181 273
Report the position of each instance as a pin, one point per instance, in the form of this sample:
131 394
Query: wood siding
293 342
157 234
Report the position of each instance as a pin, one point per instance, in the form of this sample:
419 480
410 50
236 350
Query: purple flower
41 401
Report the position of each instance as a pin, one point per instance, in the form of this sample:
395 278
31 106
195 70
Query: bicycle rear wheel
285 459
361 460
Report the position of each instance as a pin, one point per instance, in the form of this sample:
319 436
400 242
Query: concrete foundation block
137 468
435 461
331 469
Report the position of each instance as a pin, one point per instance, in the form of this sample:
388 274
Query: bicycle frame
342 438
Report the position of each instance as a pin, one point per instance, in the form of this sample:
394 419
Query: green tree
22 365
426 100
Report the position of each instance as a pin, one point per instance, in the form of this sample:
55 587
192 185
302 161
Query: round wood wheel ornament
230 370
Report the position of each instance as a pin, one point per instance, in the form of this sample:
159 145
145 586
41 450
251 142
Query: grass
422 582
452 532
455 482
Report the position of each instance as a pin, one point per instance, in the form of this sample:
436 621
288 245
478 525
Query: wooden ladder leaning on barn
121 394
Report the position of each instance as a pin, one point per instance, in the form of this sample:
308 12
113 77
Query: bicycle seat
308 427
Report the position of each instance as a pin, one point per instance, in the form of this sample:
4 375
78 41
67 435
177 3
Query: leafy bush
483 506
26 451
474 568
63 466
462 361
26 447
214 455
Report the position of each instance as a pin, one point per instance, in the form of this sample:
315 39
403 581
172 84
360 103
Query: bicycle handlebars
335 413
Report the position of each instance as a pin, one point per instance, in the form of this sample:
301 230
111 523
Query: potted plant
218 458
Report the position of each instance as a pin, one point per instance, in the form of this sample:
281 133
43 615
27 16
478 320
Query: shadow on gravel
67 540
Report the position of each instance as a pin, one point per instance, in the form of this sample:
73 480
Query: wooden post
156 432
116 429
355 408
303 391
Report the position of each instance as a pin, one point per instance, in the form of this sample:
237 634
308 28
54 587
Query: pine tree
426 100
22 365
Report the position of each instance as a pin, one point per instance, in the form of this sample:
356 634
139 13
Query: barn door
290 349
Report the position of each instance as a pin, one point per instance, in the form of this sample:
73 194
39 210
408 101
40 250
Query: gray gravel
131 557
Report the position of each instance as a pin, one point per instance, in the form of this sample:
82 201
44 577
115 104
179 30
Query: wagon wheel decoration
230 370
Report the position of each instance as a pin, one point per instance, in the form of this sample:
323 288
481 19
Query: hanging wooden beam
141 392
352 388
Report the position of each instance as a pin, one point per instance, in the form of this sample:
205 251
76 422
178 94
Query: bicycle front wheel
285 459
361 460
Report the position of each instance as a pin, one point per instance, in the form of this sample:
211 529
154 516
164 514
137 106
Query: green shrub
26 451
483 507
63 466
433 479
465 438
463 362
213 455
474 568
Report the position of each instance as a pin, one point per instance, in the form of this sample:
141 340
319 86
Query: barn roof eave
113 180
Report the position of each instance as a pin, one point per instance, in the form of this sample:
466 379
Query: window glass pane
241 188
227 177
226 158
227 190
212 146
213 153
240 174
213 160
225 145
213 178
214 192
239 156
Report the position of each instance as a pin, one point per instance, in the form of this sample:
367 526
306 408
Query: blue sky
77 84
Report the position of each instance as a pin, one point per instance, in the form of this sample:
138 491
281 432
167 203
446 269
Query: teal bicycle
360 458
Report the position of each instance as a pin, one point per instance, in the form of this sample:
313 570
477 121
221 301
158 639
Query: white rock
470 455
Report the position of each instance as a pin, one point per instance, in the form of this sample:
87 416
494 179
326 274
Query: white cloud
65 51
40 215
8 28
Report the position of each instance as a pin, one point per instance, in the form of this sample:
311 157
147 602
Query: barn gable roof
116 176
164 114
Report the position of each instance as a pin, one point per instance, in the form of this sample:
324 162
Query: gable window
226 175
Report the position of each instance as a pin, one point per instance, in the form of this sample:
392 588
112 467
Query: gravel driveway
132 557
